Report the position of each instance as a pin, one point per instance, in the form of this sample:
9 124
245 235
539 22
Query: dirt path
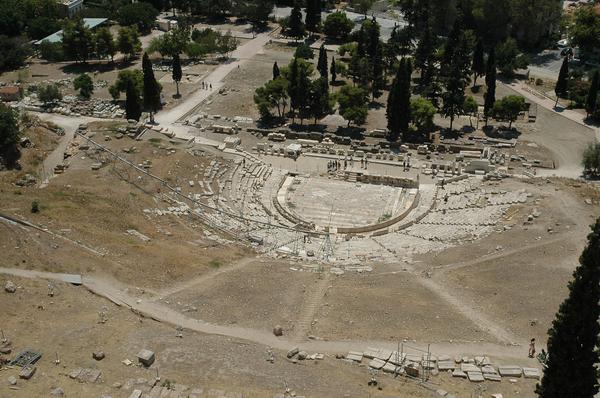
195 282
56 157
118 294
311 306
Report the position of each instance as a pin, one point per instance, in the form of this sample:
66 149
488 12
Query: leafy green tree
151 87
125 77
333 70
77 41
470 108
226 43
591 159
128 42
492 18
105 44
254 11
362 6
276 72
13 52
592 97
478 63
272 95
141 15
296 28
490 82
573 338
171 43
49 93
560 89
378 81
425 56
84 84
353 104
533 22
422 112
509 58
509 108
177 73
49 51
304 51
133 107
585 31
313 15
41 27
337 26
9 136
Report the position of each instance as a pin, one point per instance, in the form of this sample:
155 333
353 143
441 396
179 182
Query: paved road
169 117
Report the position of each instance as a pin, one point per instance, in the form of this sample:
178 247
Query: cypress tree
490 82
322 62
177 73
573 338
133 110
296 27
151 87
276 72
404 99
377 78
313 15
478 64
561 84
592 97
333 70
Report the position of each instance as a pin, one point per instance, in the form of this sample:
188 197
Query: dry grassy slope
97 208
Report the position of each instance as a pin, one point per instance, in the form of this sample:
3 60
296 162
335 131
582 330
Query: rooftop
57 36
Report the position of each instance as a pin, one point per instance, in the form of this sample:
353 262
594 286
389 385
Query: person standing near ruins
532 348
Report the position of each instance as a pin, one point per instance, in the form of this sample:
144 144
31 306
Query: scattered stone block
355 356
442 393
371 353
27 372
302 355
12 380
532 373
510 371
492 376
10 287
446 365
278 330
136 394
291 353
488 369
475 377
98 355
459 373
467 367
146 357
391 368
376 363
57 392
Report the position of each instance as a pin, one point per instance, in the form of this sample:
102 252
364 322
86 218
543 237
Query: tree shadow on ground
352 132
501 132
100 67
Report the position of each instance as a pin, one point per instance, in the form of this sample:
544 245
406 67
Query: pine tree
457 76
313 15
298 89
333 70
151 87
133 109
276 72
478 64
592 97
319 99
177 74
490 82
404 99
561 84
573 339
425 56
322 62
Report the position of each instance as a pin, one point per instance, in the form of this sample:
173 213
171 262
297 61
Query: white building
71 7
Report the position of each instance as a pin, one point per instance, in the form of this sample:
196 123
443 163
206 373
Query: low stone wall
392 181
381 225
